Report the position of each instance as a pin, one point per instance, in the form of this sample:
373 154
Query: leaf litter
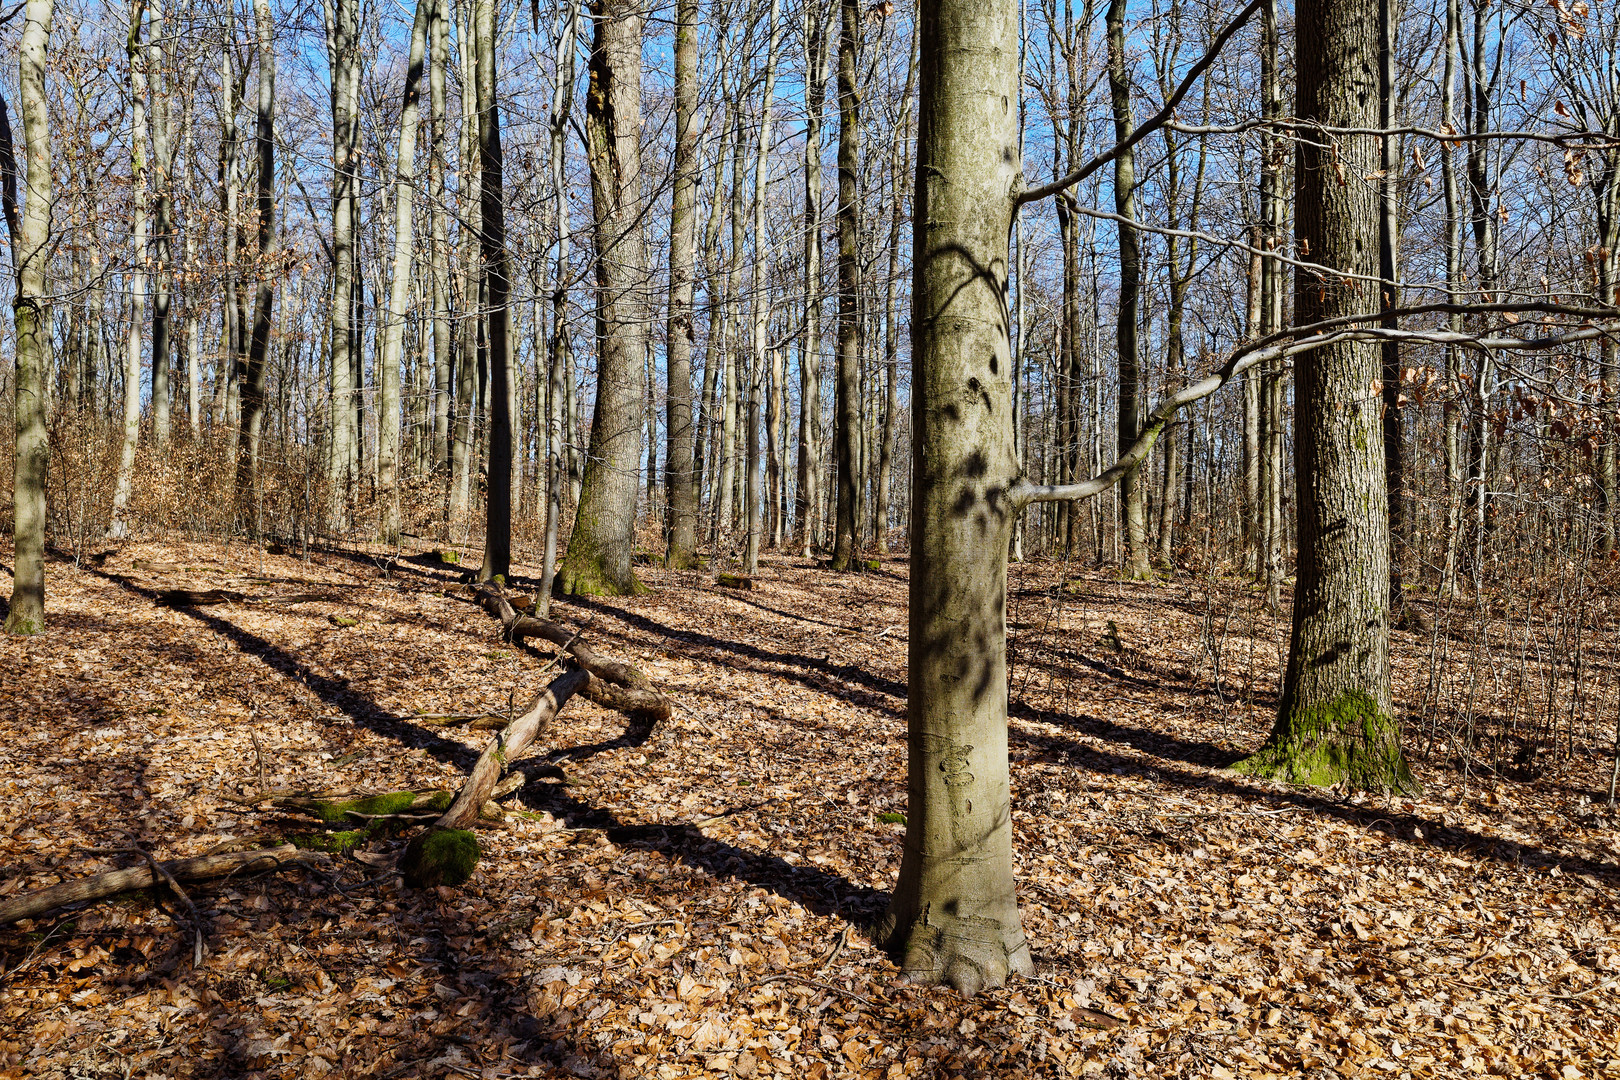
693 905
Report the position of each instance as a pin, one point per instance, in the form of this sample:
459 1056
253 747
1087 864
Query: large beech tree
1334 722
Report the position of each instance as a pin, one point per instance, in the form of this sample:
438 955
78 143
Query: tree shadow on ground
336 693
1411 829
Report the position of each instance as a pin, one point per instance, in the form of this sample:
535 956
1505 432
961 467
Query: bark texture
1334 722
682 480
599 551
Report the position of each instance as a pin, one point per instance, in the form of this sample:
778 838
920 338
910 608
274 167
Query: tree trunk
163 233
342 42
762 300
31 250
847 408
136 275
900 163
1394 423
682 483
393 328
1133 492
599 552
254 371
807 493
954 913
1335 722
497 288
439 227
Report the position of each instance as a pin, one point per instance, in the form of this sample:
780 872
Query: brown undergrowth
691 905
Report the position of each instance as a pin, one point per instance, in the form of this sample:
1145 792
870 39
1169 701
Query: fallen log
113 882
613 685
447 852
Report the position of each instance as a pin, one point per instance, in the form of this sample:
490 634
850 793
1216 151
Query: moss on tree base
1348 742
440 857
588 577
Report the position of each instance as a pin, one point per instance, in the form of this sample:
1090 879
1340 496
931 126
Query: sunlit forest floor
693 906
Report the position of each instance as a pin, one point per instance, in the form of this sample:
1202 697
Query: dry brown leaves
691 906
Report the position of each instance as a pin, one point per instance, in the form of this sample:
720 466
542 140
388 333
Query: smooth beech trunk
497 312
1335 722
31 248
599 551
682 483
954 914
342 40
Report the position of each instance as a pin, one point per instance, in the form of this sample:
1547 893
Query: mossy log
114 882
734 581
612 685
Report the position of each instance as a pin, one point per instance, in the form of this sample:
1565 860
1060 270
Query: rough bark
118 529
31 250
600 549
954 913
1335 722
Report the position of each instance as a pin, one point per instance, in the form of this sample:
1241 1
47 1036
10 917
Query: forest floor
692 906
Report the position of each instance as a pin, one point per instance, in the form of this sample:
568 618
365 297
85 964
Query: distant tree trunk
136 274
599 552
342 43
254 372
900 162
1335 722
725 499
703 464
682 483
762 300
193 301
393 329
556 463
439 227
231 344
497 288
847 408
807 492
158 49
30 248
1393 421
953 916
463 428
1456 285
1133 493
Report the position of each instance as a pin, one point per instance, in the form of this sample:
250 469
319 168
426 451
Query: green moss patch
394 802
1348 741
440 857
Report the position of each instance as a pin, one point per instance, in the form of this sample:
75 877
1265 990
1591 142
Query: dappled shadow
1162 746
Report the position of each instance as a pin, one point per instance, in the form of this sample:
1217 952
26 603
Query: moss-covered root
439 857
1348 742
965 952
369 806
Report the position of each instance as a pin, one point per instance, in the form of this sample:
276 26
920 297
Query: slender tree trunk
900 163
1394 422
682 482
439 228
953 916
157 51
497 289
1335 721
30 247
266 271
726 453
342 37
600 549
136 275
1455 287
393 329
762 300
463 456
807 493
1133 493
847 408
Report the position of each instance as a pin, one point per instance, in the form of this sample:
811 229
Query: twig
258 759
814 982
159 871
